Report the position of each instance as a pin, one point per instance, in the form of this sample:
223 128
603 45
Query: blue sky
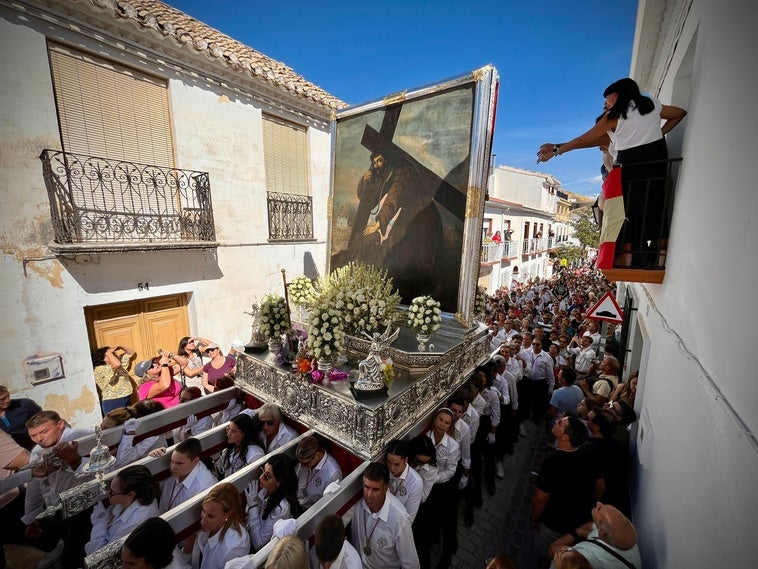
554 58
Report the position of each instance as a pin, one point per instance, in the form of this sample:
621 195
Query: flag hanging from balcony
613 219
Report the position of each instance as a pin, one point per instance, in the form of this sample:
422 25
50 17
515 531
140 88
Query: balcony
491 253
535 245
510 249
643 258
100 205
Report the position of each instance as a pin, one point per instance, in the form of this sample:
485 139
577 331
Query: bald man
605 541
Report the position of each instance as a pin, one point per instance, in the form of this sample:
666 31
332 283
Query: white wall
43 312
696 502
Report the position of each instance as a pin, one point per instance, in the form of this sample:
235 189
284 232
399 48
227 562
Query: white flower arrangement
364 296
301 291
273 316
424 315
325 332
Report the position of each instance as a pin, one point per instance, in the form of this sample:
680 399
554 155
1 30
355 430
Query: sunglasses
269 422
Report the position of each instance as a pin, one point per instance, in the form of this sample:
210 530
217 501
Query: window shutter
110 110
285 156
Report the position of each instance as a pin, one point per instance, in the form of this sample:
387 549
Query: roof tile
152 14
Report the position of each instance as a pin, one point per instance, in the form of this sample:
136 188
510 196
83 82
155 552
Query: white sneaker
499 470
522 430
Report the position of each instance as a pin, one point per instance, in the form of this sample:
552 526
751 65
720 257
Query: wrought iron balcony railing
99 201
290 217
510 249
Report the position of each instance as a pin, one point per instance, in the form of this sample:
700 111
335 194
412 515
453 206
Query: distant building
532 214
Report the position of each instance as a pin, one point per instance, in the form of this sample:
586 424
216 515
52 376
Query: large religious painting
408 187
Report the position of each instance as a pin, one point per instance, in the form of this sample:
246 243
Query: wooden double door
145 325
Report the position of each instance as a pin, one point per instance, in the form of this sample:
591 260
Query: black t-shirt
613 462
569 477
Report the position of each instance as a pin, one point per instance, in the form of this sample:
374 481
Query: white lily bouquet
301 290
325 332
424 315
364 295
273 316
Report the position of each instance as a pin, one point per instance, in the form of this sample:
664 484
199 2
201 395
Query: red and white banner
613 219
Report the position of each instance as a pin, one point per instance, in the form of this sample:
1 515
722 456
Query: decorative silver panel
367 426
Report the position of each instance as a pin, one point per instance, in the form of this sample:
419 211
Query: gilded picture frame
409 177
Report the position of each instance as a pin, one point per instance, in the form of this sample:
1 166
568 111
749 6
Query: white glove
130 426
491 438
251 494
332 488
463 483
191 420
284 527
99 512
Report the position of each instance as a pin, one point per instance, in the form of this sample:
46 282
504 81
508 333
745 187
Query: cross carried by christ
439 189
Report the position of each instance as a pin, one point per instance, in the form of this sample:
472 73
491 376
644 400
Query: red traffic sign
606 309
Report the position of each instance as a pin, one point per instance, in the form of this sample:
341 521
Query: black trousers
535 402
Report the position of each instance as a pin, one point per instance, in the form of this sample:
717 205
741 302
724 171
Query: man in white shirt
274 433
331 549
50 432
584 355
539 383
316 469
381 528
189 476
506 384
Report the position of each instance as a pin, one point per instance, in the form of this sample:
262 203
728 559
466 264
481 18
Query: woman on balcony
631 124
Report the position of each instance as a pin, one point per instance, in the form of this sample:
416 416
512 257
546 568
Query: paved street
503 520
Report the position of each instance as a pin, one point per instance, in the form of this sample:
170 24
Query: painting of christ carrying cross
401 175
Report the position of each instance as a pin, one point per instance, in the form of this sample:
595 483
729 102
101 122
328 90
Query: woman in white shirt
242 434
223 535
275 500
443 500
131 497
631 122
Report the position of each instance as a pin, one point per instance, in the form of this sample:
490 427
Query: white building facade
695 500
531 213
163 211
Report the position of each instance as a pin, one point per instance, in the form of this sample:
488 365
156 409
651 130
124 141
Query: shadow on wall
109 272
309 266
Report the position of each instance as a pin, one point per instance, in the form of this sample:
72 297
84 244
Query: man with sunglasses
274 433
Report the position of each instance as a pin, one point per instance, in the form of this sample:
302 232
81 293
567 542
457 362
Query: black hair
628 92
423 445
398 447
251 428
329 537
191 448
568 374
137 478
153 540
284 472
377 472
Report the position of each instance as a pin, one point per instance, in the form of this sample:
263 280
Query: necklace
367 547
398 488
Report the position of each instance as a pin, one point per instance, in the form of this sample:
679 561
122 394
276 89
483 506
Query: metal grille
290 217
96 200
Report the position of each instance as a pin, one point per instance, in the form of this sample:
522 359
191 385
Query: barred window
290 205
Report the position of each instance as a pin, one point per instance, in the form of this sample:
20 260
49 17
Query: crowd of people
550 368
